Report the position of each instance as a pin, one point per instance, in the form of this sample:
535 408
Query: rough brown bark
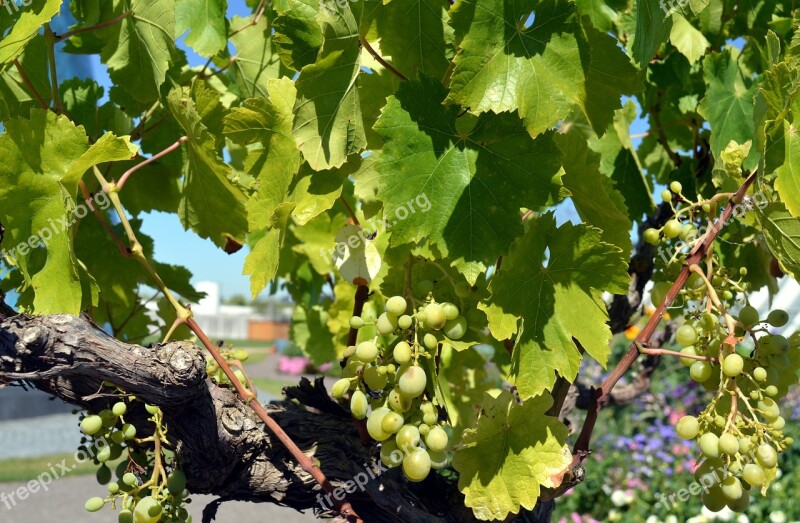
223 448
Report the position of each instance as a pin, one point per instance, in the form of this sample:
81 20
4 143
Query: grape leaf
653 25
43 160
298 36
310 332
513 452
328 126
25 22
255 61
475 172
782 231
687 40
788 181
262 262
81 98
552 279
210 205
141 48
19 99
205 21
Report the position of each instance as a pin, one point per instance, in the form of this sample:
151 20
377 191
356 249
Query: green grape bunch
392 384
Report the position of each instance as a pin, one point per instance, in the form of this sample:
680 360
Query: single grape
732 365
691 350
125 516
434 316
176 482
672 229
771 391
676 187
708 321
729 444
424 429
356 322
438 459
148 510
340 388
359 405
417 465
700 371
686 335
766 456
430 341
456 328
450 311
241 355
405 321
666 195
778 318
386 324
407 438
436 439
103 475
430 418
769 409
423 288
760 374
113 487
129 479
709 445
129 431
652 236
91 425
659 293
695 281
413 381
390 454
375 422
103 454
398 402
714 500
392 422
94 504
366 351
748 316
753 474
745 445
687 427
402 352
741 504
119 409
462 289
396 305
688 233
779 423
152 409
732 488
374 379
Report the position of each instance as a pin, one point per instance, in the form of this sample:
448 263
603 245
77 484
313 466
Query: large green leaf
141 49
653 25
788 181
475 173
44 158
211 205
687 39
782 231
255 62
310 332
328 126
298 35
18 97
25 22
205 21
552 280
514 451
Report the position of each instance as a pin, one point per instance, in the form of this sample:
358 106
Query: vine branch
380 59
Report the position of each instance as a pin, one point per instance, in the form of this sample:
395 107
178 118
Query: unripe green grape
769 409
652 236
714 500
417 465
456 328
386 324
779 423
666 195
778 318
423 288
152 409
129 431
356 322
676 187
731 488
659 293
709 445
719 421
91 425
686 335
413 381
695 281
103 475
125 516
766 456
462 289
436 440
240 376
700 371
430 341
113 488
748 316
427 407
241 355
396 305
688 232
374 379
402 352
778 344
103 454
732 365
405 321
407 438
687 427
434 316
771 391
359 405
148 510
94 504
691 350
424 429
760 374
340 388
398 402
753 474
392 422
390 454
176 482
439 460
741 504
729 444
744 352
708 321
745 445
672 229
366 351
375 422
727 295
430 418
129 479
119 409
450 311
